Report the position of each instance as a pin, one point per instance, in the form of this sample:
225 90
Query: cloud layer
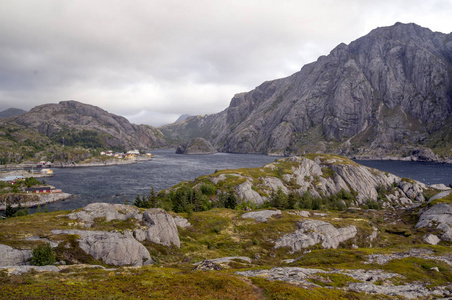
152 61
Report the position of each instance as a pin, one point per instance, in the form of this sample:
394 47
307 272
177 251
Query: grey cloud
174 57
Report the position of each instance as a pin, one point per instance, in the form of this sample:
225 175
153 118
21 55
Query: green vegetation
43 255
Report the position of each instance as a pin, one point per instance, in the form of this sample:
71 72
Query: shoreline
43 199
115 162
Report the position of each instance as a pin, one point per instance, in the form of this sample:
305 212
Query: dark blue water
426 172
115 184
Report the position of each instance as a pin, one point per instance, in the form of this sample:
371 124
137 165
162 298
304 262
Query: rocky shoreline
33 200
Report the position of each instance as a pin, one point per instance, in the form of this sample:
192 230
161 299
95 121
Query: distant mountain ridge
387 93
11 112
71 118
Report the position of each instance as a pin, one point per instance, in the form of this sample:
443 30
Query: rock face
261 216
382 95
161 227
324 175
112 248
196 146
438 216
156 225
73 116
13 257
312 232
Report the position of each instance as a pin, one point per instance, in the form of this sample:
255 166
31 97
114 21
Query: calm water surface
115 184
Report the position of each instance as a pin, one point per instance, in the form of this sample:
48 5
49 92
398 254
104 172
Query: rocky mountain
74 122
11 112
196 146
387 93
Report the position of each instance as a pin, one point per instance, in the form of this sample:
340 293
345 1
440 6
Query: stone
161 227
262 215
312 232
431 239
207 265
181 222
19 270
14 257
112 248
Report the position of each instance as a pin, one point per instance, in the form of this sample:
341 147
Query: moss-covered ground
218 233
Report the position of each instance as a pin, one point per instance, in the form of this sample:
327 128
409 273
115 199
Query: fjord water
115 184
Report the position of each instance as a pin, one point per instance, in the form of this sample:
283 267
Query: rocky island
196 146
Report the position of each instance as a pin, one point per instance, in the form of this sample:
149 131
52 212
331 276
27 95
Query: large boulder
312 232
112 248
440 217
13 257
156 224
161 228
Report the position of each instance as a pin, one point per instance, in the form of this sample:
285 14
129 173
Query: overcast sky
152 61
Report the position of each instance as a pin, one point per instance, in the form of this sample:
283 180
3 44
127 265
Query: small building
48 172
40 190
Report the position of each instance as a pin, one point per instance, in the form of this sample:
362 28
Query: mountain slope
387 93
11 112
72 120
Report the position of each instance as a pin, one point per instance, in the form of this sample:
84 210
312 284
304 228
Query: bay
116 184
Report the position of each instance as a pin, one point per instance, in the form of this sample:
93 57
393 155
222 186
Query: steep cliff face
389 92
69 117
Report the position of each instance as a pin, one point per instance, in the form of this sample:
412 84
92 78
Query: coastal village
18 183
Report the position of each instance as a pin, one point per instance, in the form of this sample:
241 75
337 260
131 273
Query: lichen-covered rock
112 248
10 256
312 232
262 215
161 227
440 216
431 239
181 222
106 210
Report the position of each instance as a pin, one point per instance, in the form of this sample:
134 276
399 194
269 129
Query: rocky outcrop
312 232
154 225
323 176
181 222
107 211
262 215
75 117
196 146
112 248
438 216
31 200
385 94
13 257
161 227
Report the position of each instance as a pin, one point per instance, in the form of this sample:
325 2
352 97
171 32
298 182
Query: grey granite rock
106 210
196 146
262 215
13 257
312 232
161 227
112 248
